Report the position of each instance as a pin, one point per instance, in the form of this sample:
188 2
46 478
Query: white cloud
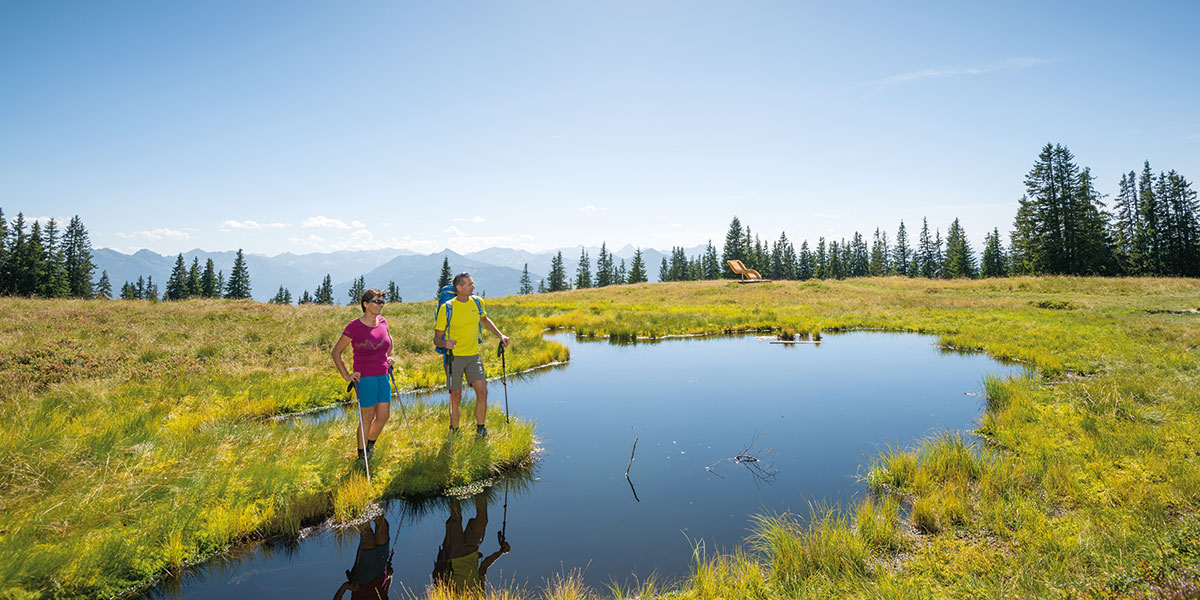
1012 64
324 222
588 209
677 225
314 242
454 231
161 233
358 224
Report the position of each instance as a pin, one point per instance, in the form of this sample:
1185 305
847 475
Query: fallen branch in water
761 471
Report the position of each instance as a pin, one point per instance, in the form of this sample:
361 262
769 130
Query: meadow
137 437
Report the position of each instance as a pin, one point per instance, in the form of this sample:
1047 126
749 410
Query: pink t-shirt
371 345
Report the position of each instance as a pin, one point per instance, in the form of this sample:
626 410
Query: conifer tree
52 280
444 278
994 261
238 287
622 274
1148 241
664 272
393 292
177 283
960 259
901 253
77 256
735 248
4 254
712 263
1127 226
637 268
140 290
194 289
604 267
27 258
151 292
1023 242
541 286
558 274
806 268
283 296
583 273
128 291
879 254
926 258
324 293
220 283
821 259
835 260
104 287
208 281
526 282
357 287
305 298
860 262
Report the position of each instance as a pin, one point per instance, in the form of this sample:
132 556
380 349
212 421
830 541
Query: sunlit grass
153 445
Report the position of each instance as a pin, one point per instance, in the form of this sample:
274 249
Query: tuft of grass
925 515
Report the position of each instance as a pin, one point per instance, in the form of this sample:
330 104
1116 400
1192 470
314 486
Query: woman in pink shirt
372 345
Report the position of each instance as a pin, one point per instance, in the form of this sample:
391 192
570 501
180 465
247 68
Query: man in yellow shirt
461 338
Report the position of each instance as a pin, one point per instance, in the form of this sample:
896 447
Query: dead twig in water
761 471
627 479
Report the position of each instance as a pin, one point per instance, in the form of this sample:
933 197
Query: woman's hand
354 377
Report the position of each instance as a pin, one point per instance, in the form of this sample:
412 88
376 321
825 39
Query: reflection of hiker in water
371 575
458 561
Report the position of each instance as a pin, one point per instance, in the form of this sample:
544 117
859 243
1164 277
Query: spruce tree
583 272
444 278
637 268
558 274
194 289
994 262
664 272
860 262
52 281
879 254
960 259
4 254
712 263
926 259
1024 247
835 260
541 289
806 266
208 281
305 298
393 292
821 260
735 248
104 287
28 258
1148 241
622 274
324 293
177 288
356 291
604 267
220 284
77 254
1127 225
128 291
151 292
526 282
901 253
283 296
238 287
140 290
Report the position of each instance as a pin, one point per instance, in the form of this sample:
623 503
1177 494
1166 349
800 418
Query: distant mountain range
497 271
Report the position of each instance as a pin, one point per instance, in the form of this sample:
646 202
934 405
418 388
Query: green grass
1086 482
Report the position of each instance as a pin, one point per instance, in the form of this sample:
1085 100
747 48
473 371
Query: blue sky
319 126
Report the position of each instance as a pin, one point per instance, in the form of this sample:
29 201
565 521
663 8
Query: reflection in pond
726 428
459 561
371 575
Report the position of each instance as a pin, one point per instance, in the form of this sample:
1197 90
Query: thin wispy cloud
588 209
1012 64
161 233
232 225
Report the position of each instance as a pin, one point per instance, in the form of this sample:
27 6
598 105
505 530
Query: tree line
48 262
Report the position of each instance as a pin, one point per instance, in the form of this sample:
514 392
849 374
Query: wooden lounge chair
748 275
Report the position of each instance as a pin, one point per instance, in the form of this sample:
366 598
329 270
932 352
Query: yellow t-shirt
464 329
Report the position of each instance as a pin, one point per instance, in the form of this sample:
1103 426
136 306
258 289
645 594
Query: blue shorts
373 390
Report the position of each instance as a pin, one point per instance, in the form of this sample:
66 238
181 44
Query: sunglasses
378 301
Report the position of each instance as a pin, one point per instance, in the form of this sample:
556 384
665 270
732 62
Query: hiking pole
448 360
362 431
504 378
396 391
504 522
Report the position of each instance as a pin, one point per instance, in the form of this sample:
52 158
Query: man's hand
450 344
504 339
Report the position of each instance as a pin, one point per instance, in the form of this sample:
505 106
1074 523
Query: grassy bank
1088 486
136 436
114 415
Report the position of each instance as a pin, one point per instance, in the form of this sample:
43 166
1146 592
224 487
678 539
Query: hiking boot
480 432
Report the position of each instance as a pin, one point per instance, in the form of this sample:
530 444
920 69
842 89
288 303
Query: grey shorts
471 366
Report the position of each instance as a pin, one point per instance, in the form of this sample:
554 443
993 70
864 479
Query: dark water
811 415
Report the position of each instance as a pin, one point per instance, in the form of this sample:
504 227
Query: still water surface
812 416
